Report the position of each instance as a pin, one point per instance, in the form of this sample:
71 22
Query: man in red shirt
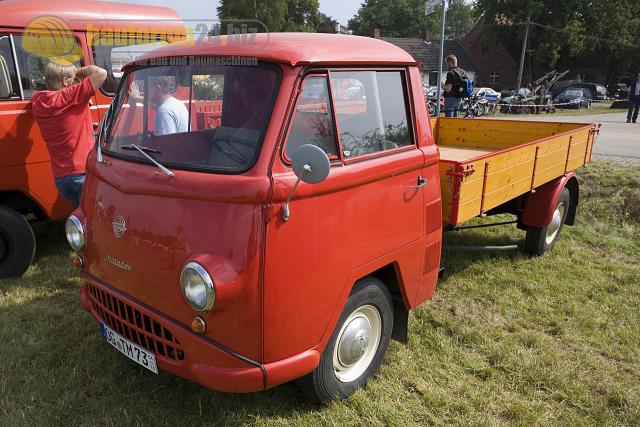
62 113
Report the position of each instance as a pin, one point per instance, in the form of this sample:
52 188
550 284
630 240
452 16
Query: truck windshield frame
213 127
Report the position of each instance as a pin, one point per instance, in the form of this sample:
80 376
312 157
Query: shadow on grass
50 238
456 259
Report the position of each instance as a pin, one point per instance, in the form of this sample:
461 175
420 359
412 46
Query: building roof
427 52
81 15
294 49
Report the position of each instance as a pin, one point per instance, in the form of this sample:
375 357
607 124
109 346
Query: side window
9 88
32 68
372 113
113 53
312 120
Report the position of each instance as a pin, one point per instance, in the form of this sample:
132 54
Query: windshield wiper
142 151
137 147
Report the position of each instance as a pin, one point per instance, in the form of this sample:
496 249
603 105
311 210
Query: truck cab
284 233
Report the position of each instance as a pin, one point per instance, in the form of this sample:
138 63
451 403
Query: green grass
507 339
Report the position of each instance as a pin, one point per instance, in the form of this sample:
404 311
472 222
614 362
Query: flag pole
440 57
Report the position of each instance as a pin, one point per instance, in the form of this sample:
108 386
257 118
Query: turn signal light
198 326
77 261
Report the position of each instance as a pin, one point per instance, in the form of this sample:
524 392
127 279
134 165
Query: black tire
17 243
324 384
542 239
431 108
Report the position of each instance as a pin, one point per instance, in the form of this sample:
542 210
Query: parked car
596 90
431 92
618 91
487 93
524 103
266 247
573 98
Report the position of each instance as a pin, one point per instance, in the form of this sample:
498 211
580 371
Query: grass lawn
507 339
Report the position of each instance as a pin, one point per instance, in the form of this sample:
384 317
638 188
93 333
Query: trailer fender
539 206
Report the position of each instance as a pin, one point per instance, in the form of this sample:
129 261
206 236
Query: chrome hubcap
556 223
357 343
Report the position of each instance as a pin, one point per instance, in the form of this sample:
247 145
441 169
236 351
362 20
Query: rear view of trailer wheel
17 243
357 346
541 239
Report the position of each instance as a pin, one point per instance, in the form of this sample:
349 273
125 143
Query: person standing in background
453 87
63 115
634 101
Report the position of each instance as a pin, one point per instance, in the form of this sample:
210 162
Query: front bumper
180 351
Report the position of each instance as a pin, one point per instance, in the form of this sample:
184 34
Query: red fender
539 206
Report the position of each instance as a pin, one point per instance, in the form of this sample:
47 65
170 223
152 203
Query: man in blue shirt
172 115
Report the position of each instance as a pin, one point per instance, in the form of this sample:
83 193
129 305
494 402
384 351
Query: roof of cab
80 15
294 49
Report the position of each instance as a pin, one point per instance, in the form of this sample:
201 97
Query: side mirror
311 165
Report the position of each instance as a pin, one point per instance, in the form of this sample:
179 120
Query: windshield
193 117
573 92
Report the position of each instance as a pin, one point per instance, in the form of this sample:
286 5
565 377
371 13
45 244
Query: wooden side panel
507 173
496 134
447 189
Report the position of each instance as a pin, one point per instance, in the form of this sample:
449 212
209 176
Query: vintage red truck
287 232
31 31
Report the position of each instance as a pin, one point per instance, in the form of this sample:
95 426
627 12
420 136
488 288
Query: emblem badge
119 226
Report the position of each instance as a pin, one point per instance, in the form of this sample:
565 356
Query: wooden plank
460 154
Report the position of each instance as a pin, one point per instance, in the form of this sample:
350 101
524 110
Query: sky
340 10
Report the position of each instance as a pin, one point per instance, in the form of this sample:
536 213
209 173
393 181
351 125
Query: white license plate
132 350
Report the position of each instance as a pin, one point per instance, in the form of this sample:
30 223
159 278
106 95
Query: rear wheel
357 346
542 239
17 243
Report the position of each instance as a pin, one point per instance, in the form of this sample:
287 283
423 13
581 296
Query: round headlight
75 233
197 287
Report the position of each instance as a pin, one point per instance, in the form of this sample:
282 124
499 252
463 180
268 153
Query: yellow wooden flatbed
484 164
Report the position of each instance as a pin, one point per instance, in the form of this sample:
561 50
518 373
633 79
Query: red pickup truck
285 228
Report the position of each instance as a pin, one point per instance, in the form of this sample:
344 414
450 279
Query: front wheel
357 346
541 239
479 110
431 108
17 243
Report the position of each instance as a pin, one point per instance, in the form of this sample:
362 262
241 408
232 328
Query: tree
459 21
394 18
276 15
326 24
570 33
405 18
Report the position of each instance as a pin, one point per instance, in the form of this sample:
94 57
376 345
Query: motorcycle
475 106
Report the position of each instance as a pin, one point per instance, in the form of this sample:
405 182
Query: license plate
132 350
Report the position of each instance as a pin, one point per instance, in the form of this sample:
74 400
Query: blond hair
452 59
54 73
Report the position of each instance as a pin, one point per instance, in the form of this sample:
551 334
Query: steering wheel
227 145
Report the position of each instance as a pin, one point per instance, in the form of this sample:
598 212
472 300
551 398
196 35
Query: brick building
497 68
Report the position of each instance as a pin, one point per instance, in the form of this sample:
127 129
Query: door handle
421 182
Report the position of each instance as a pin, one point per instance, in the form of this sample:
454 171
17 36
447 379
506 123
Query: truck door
370 207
